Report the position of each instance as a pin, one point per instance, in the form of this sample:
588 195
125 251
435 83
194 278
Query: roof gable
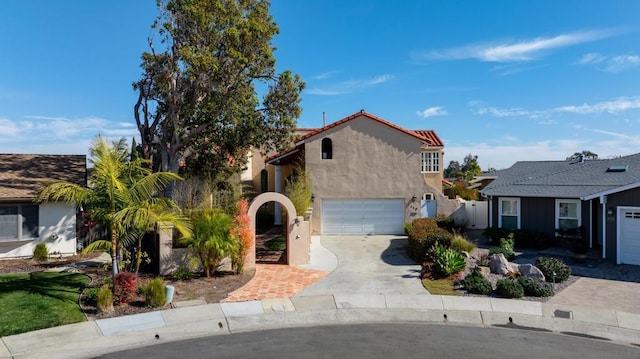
564 179
23 175
427 136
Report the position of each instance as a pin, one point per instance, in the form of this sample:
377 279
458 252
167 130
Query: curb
115 334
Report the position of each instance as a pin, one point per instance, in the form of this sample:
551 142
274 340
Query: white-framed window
509 212
427 196
18 222
568 213
429 162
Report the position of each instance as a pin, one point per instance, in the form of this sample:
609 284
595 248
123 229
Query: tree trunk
114 251
138 254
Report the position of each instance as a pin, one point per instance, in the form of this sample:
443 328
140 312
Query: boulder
499 264
531 271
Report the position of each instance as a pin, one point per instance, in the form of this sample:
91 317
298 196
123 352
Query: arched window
327 149
264 181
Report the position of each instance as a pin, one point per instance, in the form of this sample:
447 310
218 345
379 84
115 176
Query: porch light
297 221
414 198
312 198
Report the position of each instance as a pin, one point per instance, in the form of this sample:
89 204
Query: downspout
603 202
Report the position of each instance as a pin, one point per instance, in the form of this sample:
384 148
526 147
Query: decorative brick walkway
275 281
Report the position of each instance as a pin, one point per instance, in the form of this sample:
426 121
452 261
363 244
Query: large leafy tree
209 90
121 195
465 171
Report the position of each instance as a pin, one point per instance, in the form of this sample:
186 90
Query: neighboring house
601 196
369 176
24 223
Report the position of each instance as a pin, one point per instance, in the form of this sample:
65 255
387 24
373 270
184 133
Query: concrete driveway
363 265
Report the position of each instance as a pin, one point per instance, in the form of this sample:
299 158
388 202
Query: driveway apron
368 265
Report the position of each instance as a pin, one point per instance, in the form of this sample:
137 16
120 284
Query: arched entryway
296 229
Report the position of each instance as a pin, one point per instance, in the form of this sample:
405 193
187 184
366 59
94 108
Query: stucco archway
298 235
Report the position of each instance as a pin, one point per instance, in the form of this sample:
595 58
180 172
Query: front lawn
38 300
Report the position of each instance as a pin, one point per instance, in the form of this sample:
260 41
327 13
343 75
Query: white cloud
517 50
46 134
350 86
621 63
324 75
591 58
615 106
432 111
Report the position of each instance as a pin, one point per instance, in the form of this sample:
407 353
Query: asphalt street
377 341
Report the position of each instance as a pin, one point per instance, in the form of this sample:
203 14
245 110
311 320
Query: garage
366 216
629 235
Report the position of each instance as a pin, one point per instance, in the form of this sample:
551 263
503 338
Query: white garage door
629 236
367 216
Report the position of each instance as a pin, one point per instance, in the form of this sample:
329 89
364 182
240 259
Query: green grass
439 287
31 301
278 243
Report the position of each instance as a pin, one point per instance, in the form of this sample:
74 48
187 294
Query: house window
430 162
264 181
427 196
509 213
567 213
18 222
327 149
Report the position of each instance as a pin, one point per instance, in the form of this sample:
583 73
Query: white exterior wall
57 229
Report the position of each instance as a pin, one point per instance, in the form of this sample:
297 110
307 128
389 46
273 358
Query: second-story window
430 162
327 149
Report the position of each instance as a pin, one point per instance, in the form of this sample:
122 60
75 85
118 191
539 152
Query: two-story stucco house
369 176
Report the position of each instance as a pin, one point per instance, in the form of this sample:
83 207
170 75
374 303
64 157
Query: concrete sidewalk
93 338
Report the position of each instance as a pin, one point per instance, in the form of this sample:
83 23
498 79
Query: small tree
211 239
298 189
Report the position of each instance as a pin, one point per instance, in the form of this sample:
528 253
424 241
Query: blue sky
504 80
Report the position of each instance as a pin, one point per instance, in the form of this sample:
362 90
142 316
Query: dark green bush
509 288
92 293
554 269
154 293
534 287
40 252
182 273
477 284
446 223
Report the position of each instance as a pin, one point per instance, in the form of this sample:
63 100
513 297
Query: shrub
298 189
506 248
446 222
447 262
154 293
460 243
182 273
407 228
92 293
41 253
423 235
477 284
104 298
509 288
211 239
535 287
554 270
483 260
244 234
125 285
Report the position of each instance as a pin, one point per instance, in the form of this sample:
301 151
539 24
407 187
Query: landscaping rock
531 271
499 264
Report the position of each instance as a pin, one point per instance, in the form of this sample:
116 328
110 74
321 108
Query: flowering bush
242 231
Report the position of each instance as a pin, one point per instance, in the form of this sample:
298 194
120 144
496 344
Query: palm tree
121 196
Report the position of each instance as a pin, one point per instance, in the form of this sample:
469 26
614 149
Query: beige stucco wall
370 160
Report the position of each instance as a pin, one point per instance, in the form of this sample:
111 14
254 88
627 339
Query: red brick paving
275 281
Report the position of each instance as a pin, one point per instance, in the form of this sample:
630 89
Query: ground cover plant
38 300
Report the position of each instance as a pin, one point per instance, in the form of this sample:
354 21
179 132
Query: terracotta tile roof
23 175
428 136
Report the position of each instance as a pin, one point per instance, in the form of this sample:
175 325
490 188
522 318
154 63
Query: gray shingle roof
23 175
564 179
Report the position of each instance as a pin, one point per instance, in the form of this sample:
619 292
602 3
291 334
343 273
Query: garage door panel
630 236
368 216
